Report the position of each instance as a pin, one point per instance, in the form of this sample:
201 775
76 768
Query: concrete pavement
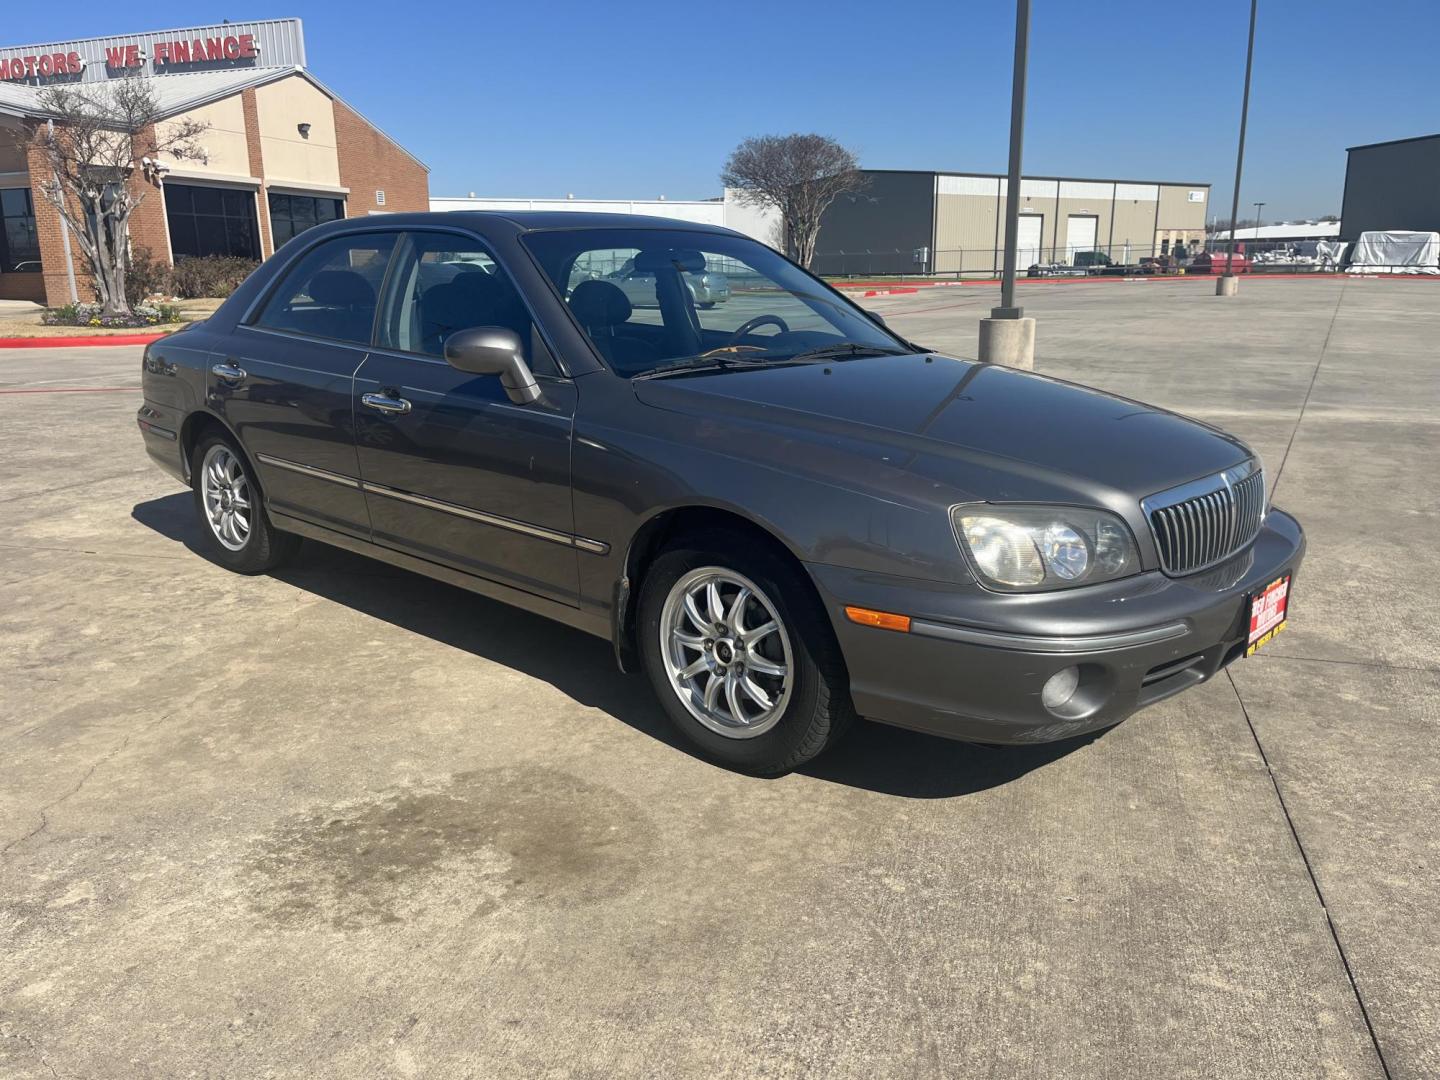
345 821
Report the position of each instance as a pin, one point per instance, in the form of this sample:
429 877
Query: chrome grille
1202 523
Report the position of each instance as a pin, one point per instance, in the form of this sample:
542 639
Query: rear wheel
228 501
741 657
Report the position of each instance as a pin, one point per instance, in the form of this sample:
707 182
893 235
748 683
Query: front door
286 387
453 471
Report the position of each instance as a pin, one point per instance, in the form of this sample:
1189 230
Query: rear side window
331 291
444 282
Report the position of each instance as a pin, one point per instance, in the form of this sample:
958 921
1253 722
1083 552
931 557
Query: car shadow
873 757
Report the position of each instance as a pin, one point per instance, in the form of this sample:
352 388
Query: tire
237 531
811 703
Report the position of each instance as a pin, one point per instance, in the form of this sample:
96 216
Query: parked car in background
784 513
1093 262
707 287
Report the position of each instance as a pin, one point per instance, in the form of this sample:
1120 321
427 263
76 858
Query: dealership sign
272 43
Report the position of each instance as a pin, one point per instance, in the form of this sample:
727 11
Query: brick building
283 152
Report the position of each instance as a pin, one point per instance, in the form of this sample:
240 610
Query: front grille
1199 524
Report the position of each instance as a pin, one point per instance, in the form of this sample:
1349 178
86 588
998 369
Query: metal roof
1393 142
173 93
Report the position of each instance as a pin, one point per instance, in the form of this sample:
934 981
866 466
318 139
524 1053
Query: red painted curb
78 342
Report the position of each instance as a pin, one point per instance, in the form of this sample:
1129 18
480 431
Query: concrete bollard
1008 341
1227 285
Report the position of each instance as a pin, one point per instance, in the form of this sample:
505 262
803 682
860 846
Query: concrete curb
79 342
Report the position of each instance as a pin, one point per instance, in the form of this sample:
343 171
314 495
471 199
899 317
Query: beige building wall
289 157
1135 215
1182 217
966 214
223 141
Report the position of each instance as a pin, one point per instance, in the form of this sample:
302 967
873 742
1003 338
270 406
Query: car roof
531 220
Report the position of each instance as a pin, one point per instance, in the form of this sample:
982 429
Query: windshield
657 298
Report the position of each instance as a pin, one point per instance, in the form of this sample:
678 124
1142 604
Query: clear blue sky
633 99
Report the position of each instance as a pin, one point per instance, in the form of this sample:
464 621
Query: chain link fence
1120 260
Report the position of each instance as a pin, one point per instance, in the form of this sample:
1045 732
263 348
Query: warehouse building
1392 186
954 223
283 151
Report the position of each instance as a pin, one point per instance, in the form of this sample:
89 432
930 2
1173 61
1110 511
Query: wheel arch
196 426
661 531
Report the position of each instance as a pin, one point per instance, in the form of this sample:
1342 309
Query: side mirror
874 316
494 350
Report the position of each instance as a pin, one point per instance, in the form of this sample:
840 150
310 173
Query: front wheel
227 499
741 656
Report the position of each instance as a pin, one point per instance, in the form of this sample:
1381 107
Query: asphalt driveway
344 821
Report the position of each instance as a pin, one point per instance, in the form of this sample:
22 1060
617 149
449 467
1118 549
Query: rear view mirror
494 350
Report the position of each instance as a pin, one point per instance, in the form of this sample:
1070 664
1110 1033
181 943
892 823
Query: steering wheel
758 321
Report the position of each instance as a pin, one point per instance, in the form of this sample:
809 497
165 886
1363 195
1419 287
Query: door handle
228 372
395 406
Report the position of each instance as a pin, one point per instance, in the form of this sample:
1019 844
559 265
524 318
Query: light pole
1258 207
1007 336
1227 285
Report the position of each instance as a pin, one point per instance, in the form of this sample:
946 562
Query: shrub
89 315
210 275
145 276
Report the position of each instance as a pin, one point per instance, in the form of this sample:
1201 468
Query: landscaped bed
141 316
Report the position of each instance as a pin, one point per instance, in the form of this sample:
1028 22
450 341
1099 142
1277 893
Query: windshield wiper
698 363
847 349
718 362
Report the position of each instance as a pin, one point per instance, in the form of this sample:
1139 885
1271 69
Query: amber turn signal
884 620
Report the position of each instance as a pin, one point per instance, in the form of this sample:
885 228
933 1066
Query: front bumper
974 663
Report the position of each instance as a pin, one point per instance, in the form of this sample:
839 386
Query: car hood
1022 435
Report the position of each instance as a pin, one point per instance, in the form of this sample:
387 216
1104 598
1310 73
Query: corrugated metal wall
1392 186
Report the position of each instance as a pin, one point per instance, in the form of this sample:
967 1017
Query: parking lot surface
344 821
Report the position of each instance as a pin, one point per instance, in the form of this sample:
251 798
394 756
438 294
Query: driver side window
444 282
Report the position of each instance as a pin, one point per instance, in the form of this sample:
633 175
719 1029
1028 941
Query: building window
290 215
211 221
19 242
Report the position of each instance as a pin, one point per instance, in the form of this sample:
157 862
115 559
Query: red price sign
1268 609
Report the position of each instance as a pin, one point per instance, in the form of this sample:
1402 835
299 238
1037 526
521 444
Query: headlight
1029 548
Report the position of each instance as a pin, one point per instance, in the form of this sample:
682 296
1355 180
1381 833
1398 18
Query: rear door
454 472
286 387
1027 243
1080 230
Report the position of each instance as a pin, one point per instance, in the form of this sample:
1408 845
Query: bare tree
798 175
99 148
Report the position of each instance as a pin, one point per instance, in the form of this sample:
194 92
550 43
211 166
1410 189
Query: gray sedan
784 514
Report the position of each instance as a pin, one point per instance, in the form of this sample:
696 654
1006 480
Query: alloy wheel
226 491
726 652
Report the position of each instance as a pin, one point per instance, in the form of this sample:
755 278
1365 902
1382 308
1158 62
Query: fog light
1060 687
